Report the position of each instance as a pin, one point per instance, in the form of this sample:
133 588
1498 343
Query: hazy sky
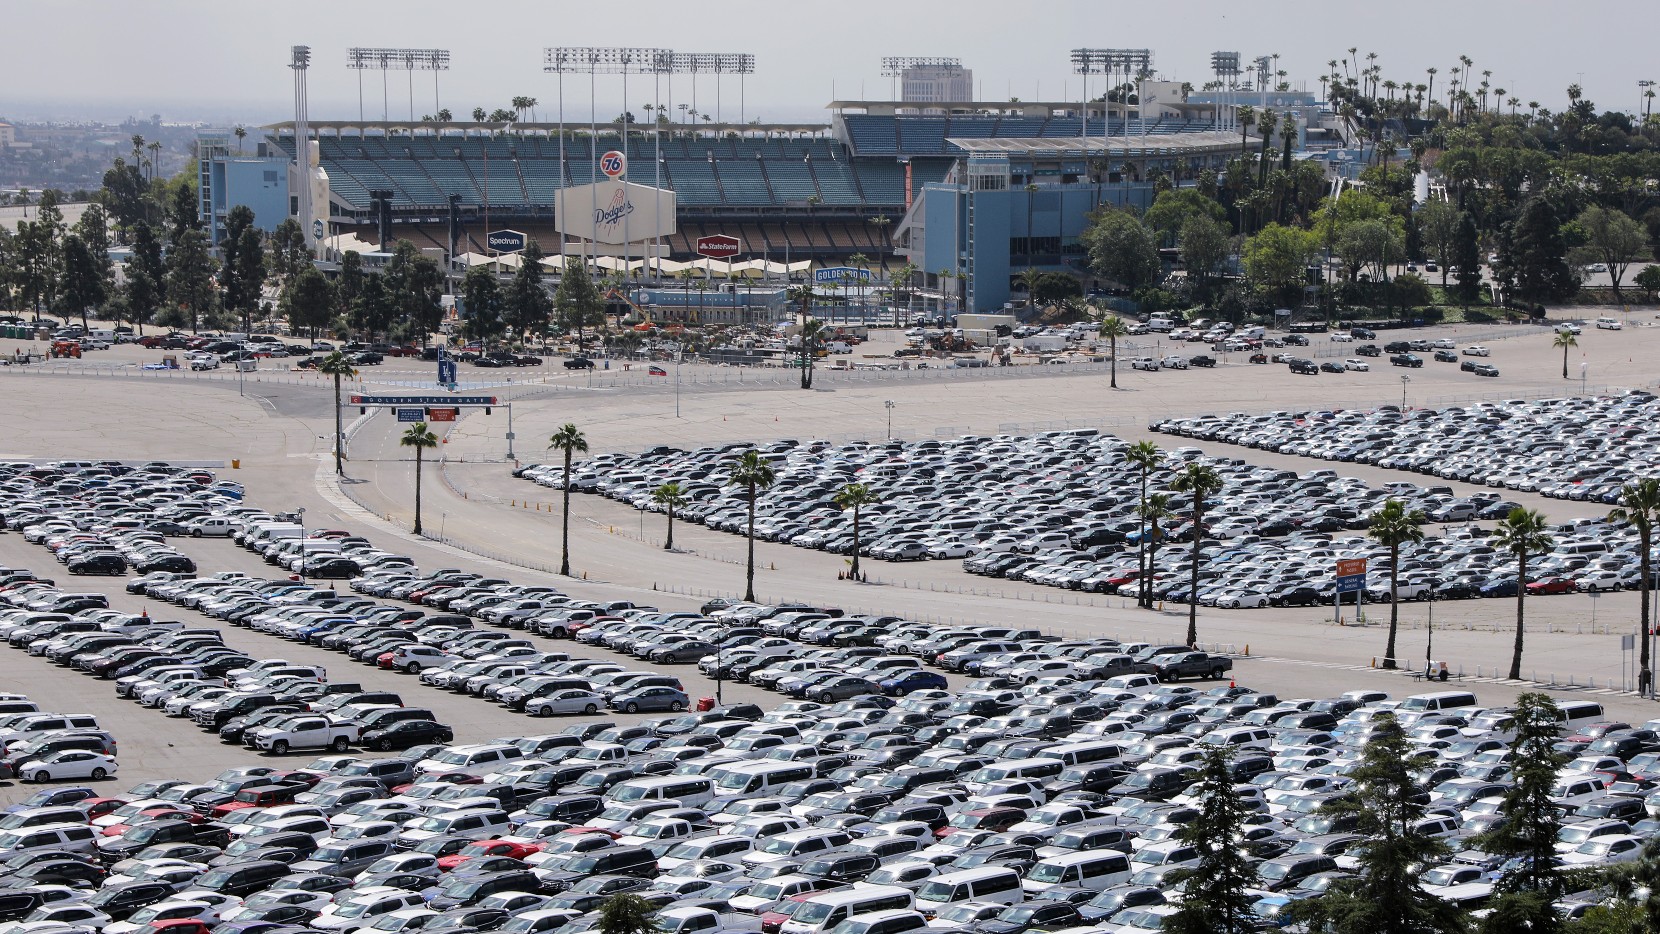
224 60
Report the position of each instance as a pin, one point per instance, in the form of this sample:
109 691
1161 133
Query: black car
1304 366
1445 356
107 564
331 569
1369 350
406 734
1332 366
1201 360
1407 360
367 358
579 363
1394 347
1296 340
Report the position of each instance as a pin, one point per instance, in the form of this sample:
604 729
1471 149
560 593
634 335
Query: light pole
1429 646
242 347
299 511
889 404
510 421
1583 367
1404 381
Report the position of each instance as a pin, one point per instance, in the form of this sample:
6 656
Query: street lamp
1404 381
299 512
1429 646
510 421
889 404
1583 367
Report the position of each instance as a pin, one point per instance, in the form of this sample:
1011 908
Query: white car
1570 328
1355 363
1343 337
204 361
1477 350
66 764
1442 343
1144 363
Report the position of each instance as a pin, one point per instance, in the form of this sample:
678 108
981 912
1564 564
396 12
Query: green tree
1122 249
527 305
1648 280
754 473
804 294
372 310
670 496
289 254
1639 507
419 438
182 209
1143 457
1172 210
1370 243
1276 259
577 302
83 283
1523 533
570 442
414 284
1200 481
146 276
812 338
1204 244
309 302
626 913
1438 225
349 286
1535 257
242 276
1392 526
1567 341
1216 896
1467 259
856 496
1385 898
1531 817
337 365
1112 328
1614 239
482 298
190 269
126 194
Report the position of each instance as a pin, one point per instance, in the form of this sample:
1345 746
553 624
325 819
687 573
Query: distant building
227 179
8 136
932 84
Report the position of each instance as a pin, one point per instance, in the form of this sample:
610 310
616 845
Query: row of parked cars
1570 448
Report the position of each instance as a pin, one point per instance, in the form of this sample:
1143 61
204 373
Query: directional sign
412 415
423 400
1349 567
506 241
613 163
1351 583
719 246
441 415
446 371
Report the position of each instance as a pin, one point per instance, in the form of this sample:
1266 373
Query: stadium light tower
1225 65
411 60
1131 63
895 66
300 62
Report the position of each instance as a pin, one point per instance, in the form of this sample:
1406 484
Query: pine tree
482 298
146 282
577 301
1215 897
1466 256
527 304
1531 817
190 290
83 280
1538 254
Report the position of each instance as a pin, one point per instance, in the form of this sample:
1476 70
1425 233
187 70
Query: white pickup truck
303 732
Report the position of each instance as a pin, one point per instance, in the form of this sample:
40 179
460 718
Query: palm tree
1639 505
1246 116
1144 456
338 366
241 134
419 438
670 496
571 441
1392 526
1112 328
1522 533
854 496
812 335
860 262
1567 341
754 473
1154 510
1201 481
905 274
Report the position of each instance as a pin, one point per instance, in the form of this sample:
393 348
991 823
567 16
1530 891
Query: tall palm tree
1392 526
1246 116
804 294
860 262
1145 457
855 496
419 438
905 274
1154 510
670 496
571 441
339 366
1112 328
1200 481
1567 341
812 337
1522 533
1639 505
754 473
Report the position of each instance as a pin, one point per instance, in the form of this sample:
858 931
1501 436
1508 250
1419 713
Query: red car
772 921
95 808
1552 585
150 815
507 848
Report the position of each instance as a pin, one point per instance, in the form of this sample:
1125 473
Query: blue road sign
1351 583
839 273
411 415
446 371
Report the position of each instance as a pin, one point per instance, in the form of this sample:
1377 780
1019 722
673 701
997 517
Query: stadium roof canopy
1123 146
470 129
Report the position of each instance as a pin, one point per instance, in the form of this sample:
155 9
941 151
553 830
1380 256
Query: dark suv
1304 366
1408 360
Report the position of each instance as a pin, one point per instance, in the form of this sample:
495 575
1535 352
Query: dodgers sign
615 212
506 241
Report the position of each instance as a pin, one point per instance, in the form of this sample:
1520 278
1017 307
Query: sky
223 61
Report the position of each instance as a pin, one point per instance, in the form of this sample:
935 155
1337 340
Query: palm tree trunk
1193 572
1645 536
1521 616
1564 361
668 544
1114 348
855 541
565 522
1394 604
1142 590
339 439
417 491
749 569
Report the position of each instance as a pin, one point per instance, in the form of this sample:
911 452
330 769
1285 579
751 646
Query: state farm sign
719 246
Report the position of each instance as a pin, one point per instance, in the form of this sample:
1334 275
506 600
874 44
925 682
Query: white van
998 884
1573 714
1012 770
76 838
1164 325
1071 754
823 912
757 779
1094 870
1420 704
893 921
1609 324
690 791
